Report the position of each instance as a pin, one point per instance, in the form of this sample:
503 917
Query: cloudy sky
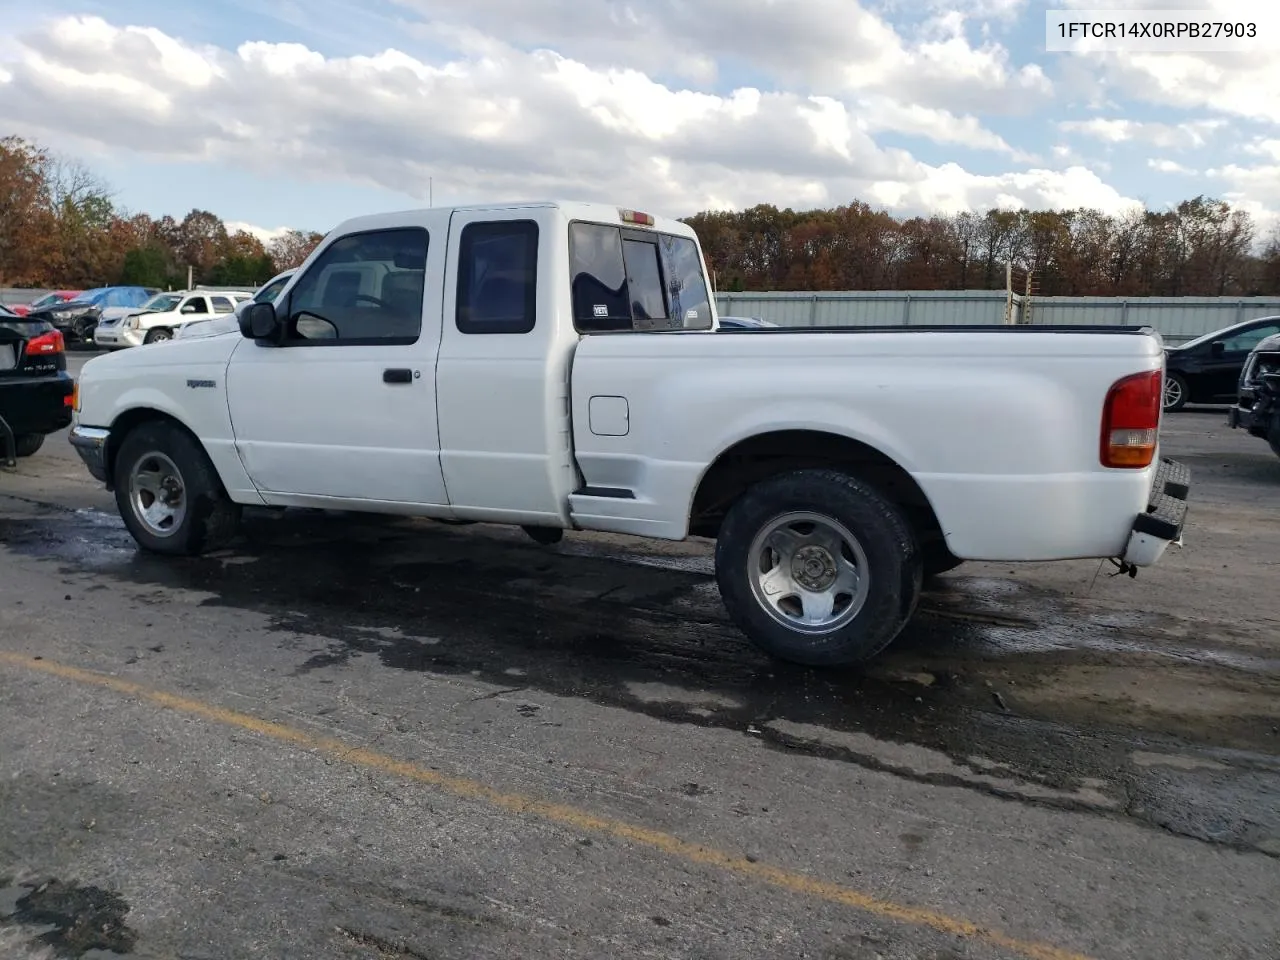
298 113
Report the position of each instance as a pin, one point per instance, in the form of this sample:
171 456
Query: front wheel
169 494
1176 392
158 335
818 567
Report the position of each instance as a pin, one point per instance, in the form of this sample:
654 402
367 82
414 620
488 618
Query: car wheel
158 335
1273 433
169 494
818 567
27 444
1176 392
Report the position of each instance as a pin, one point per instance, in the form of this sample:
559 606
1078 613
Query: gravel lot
361 738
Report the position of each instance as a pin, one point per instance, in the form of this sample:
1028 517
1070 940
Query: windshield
272 290
46 300
162 303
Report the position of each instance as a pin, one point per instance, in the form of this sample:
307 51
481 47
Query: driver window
195 305
365 288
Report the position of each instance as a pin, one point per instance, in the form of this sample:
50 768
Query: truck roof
572 209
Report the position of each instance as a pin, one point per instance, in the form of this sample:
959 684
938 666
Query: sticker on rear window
600 310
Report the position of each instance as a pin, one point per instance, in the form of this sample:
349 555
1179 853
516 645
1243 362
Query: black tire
27 444
1180 383
894 563
938 559
158 335
209 520
1273 433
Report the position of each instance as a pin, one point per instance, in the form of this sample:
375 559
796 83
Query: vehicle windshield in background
162 303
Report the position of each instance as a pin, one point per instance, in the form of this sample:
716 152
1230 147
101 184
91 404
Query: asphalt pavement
357 737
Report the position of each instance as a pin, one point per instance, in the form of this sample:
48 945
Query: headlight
132 323
63 314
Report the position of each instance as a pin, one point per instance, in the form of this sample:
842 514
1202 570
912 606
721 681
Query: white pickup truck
558 366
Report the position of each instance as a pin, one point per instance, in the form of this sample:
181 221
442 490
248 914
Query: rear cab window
635 280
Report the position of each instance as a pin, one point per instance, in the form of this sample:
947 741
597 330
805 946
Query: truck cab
558 366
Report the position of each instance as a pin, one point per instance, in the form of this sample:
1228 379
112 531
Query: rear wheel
818 567
28 444
169 494
1176 391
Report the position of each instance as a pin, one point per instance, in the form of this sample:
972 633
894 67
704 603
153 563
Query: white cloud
832 46
1170 166
1191 134
265 234
501 121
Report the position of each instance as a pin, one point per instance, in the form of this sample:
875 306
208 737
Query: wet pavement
1048 748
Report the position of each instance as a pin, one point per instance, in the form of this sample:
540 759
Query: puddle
72 920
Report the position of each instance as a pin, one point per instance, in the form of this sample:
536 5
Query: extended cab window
363 288
627 279
498 277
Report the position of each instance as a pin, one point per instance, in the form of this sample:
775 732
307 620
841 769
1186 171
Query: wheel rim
1172 391
157 494
808 572
157 337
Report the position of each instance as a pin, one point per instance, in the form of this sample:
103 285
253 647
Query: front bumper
1166 513
116 335
91 444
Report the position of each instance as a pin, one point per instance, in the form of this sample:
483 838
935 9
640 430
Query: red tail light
50 342
1131 420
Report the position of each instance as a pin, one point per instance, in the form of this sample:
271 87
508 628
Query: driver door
345 409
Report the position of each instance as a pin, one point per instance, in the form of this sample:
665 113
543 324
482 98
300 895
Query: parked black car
1207 369
36 392
1257 408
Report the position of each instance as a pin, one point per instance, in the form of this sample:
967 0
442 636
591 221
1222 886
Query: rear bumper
1166 513
91 444
40 405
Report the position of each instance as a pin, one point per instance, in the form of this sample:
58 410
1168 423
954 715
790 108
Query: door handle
397 375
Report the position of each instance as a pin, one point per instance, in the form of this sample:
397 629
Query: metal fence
1178 319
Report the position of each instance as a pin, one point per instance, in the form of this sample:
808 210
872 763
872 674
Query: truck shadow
644 630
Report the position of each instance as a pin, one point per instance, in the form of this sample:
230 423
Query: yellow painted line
558 813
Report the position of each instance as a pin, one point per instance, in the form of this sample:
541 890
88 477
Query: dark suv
1207 369
1257 408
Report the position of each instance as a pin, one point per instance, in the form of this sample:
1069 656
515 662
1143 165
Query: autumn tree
289 249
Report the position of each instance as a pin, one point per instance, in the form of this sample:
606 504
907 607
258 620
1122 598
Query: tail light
1131 420
50 342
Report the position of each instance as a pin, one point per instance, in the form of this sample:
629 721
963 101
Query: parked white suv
165 313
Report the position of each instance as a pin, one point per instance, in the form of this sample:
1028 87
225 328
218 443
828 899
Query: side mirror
258 321
1217 348
188 308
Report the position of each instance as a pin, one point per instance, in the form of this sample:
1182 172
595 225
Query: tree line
1201 247
60 228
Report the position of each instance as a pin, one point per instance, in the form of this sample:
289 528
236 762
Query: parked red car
48 300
